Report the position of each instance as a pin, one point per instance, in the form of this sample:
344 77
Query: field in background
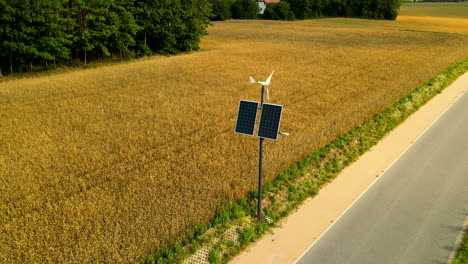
405 23
432 17
108 164
453 10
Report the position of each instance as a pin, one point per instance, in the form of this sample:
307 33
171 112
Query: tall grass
109 164
462 254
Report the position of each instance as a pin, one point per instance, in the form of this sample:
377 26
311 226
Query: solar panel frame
263 119
252 120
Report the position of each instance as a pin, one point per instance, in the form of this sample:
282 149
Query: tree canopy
45 31
245 9
278 11
373 9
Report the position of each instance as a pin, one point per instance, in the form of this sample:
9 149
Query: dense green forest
373 9
307 9
50 31
47 32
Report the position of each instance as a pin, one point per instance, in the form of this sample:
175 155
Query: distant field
434 17
405 23
452 10
109 164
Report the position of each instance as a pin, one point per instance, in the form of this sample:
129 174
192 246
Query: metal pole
260 169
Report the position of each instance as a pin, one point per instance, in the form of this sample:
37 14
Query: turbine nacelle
265 83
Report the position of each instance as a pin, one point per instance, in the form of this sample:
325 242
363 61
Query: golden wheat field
105 165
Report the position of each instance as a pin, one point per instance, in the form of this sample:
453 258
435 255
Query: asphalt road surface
415 212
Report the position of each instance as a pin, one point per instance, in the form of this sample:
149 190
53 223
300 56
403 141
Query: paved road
415 212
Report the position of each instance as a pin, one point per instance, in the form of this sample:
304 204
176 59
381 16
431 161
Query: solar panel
246 117
270 121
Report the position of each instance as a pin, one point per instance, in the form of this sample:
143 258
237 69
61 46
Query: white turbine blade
252 80
268 93
269 78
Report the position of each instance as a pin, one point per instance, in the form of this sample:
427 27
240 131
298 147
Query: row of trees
237 9
51 31
373 9
307 9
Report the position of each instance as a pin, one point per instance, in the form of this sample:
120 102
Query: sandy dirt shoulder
315 216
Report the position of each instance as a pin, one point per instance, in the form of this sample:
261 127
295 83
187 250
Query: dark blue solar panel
270 121
246 117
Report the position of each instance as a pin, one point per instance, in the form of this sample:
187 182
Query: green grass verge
304 179
462 256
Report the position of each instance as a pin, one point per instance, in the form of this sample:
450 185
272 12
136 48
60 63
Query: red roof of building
271 1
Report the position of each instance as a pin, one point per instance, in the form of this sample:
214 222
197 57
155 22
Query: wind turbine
265 83
269 112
